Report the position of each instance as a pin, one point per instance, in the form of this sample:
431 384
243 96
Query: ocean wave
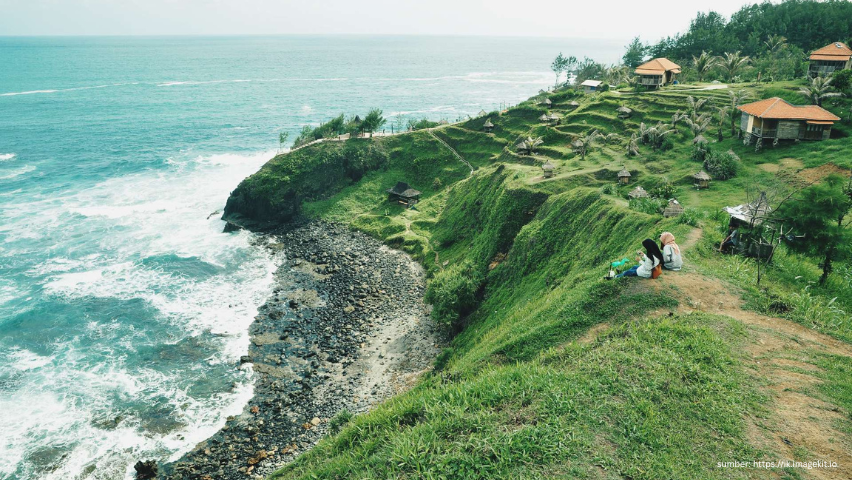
7 156
33 92
178 83
18 172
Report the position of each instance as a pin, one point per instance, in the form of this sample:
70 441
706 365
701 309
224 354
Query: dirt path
453 150
801 426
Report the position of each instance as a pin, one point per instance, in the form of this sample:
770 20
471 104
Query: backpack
657 271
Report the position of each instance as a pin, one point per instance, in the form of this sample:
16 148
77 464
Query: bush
651 206
453 294
690 216
610 189
667 144
722 165
700 152
437 184
664 191
842 80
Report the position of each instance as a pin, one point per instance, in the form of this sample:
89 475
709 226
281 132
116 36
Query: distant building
548 168
824 62
624 112
624 176
673 209
590 86
775 118
702 180
488 126
657 73
638 192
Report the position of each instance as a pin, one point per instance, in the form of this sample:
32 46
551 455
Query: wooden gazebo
403 193
638 192
488 126
623 112
548 169
702 180
673 209
624 176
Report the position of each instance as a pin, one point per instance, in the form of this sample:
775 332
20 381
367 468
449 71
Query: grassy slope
515 396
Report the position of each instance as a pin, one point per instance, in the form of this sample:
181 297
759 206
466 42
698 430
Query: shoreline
345 328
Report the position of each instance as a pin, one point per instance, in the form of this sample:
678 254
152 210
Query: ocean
124 309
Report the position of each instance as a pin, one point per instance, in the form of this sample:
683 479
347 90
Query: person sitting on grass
672 260
649 262
732 241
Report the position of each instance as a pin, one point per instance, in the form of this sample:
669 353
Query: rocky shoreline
345 328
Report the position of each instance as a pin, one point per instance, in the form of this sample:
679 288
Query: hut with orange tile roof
777 119
657 73
828 59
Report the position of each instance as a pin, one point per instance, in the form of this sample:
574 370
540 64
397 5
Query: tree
820 88
529 145
695 120
373 121
703 64
559 65
816 218
587 69
775 43
732 63
842 80
633 146
282 140
635 53
582 145
737 97
722 115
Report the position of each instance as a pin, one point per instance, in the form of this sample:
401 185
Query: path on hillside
453 150
781 355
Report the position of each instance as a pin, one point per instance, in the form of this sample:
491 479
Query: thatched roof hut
482 113
488 126
548 169
403 193
573 104
702 179
546 102
624 176
623 112
543 118
577 144
673 209
638 192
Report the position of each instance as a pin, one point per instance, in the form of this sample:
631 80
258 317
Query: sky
650 19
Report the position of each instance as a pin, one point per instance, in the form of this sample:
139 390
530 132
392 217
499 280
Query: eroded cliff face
275 193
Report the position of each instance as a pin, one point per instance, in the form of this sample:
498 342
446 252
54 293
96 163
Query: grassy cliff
554 372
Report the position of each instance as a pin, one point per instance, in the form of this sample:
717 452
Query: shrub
609 189
690 216
700 152
664 191
842 80
722 165
651 206
667 144
453 294
437 184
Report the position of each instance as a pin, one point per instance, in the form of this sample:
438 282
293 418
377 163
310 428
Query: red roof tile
657 66
836 51
779 109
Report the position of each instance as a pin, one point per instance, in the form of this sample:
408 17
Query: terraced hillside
555 372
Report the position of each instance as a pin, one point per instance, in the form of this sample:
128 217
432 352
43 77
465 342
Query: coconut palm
529 145
656 134
732 63
582 145
695 106
676 117
703 64
609 138
633 146
697 123
774 43
737 97
617 74
818 89
722 114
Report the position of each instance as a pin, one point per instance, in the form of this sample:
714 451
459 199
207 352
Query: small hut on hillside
403 193
548 169
624 176
750 214
544 118
638 192
573 104
482 113
623 112
488 126
546 102
702 180
673 209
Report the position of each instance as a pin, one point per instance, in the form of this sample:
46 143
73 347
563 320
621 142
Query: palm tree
529 144
657 133
703 64
609 138
818 89
694 105
737 97
731 64
722 113
617 74
774 43
633 146
582 145
697 123
676 117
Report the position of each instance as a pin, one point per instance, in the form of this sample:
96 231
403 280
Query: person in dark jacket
648 261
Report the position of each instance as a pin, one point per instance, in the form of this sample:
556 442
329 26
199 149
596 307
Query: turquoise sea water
123 308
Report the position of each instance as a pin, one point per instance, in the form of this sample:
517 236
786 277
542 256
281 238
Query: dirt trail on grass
801 426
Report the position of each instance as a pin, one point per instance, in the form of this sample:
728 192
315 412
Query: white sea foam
8 175
31 92
7 156
73 396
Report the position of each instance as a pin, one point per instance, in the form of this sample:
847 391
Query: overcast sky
651 19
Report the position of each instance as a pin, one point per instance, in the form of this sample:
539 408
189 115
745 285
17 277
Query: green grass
514 395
